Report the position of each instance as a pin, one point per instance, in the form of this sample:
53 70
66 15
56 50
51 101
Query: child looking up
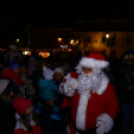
27 122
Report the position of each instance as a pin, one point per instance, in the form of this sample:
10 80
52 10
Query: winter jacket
7 118
21 129
47 89
11 75
125 96
28 90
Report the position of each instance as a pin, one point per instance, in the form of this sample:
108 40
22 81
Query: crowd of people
80 95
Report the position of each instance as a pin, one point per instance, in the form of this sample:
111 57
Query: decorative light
77 41
44 54
72 42
26 53
107 35
17 40
69 49
59 39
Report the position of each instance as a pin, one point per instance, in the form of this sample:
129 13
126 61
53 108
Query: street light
17 40
107 35
59 39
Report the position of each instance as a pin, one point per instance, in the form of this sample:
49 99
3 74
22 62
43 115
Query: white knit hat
48 74
59 70
3 85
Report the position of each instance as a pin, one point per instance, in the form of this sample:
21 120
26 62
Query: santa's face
86 70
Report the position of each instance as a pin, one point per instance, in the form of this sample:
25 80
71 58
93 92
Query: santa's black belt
89 131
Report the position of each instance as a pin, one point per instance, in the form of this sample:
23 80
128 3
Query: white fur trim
104 84
108 120
20 125
81 112
93 63
67 129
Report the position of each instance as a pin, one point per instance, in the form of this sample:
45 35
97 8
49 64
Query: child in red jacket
12 73
27 122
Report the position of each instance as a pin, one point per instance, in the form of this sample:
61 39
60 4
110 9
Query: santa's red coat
97 105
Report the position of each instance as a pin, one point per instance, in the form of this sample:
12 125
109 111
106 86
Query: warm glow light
72 41
17 40
77 41
107 35
70 49
59 39
44 54
26 53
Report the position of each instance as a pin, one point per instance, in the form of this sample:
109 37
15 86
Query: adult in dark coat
125 94
7 112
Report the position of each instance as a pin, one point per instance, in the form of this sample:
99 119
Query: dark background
16 14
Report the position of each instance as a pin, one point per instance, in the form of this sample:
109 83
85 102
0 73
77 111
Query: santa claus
92 99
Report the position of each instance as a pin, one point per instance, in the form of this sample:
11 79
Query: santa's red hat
94 60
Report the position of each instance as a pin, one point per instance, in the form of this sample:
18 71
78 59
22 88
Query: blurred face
23 70
29 110
131 56
86 70
43 64
58 76
9 97
16 69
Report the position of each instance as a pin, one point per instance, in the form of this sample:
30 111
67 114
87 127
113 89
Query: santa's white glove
101 127
72 83
70 86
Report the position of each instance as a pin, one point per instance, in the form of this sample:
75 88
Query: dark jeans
57 126
127 112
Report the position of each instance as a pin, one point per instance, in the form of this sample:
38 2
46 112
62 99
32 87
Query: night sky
15 15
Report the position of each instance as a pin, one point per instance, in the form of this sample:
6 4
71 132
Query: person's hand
131 87
50 102
101 127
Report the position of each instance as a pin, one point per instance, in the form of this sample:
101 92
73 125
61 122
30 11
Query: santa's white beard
89 82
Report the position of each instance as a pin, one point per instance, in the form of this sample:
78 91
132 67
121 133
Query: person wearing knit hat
58 75
26 122
15 67
21 104
12 73
94 104
49 94
59 69
127 62
47 86
7 112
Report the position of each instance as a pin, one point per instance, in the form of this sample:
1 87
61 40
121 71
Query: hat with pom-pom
48 74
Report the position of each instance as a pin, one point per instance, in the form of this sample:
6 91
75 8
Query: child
12 73
47 87
27 122
48 92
